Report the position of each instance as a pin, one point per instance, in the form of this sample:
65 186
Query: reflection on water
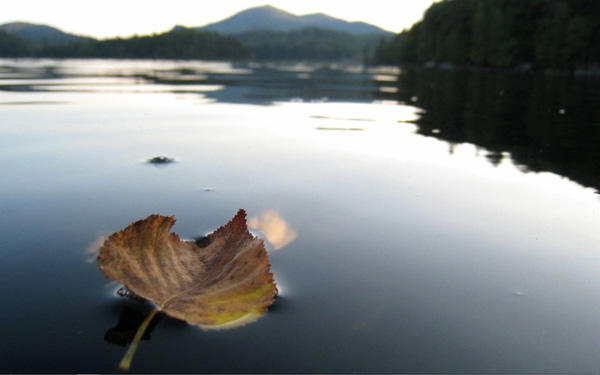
343 119
223 82
543 123
418 259
275 228
33 102
339 129
130 319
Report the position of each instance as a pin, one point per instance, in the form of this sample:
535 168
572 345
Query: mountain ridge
265 17
268 17
41 33
265 33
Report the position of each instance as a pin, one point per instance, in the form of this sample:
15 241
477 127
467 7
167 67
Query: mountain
12 46
271 18
41 34
262 33
179 43
308 44
27 40
324 21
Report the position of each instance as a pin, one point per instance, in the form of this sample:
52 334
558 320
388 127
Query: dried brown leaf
222 285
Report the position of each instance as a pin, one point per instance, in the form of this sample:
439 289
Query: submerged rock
161 160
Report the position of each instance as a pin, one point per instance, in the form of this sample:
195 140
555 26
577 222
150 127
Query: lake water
416 221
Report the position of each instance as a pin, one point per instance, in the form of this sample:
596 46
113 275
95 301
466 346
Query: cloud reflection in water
275 228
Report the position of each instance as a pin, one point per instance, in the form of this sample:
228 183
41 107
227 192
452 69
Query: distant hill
270 18
274 34
13 46
309 44
179 43
41 34
263 33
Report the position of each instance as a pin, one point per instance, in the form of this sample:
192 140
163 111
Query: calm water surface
416 221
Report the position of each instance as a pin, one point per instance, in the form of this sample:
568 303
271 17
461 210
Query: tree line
12 46
179 43
308 44
185 43
542 123
539 34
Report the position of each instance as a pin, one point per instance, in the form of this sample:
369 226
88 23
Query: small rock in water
161 160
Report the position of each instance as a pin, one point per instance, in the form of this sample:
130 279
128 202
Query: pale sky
109 18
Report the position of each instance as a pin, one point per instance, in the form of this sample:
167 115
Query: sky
110 18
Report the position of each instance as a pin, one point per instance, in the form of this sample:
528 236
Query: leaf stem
126 361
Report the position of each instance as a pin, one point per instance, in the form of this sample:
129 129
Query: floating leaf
223 284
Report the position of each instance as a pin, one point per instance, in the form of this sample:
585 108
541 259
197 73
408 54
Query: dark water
545 123
421 222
